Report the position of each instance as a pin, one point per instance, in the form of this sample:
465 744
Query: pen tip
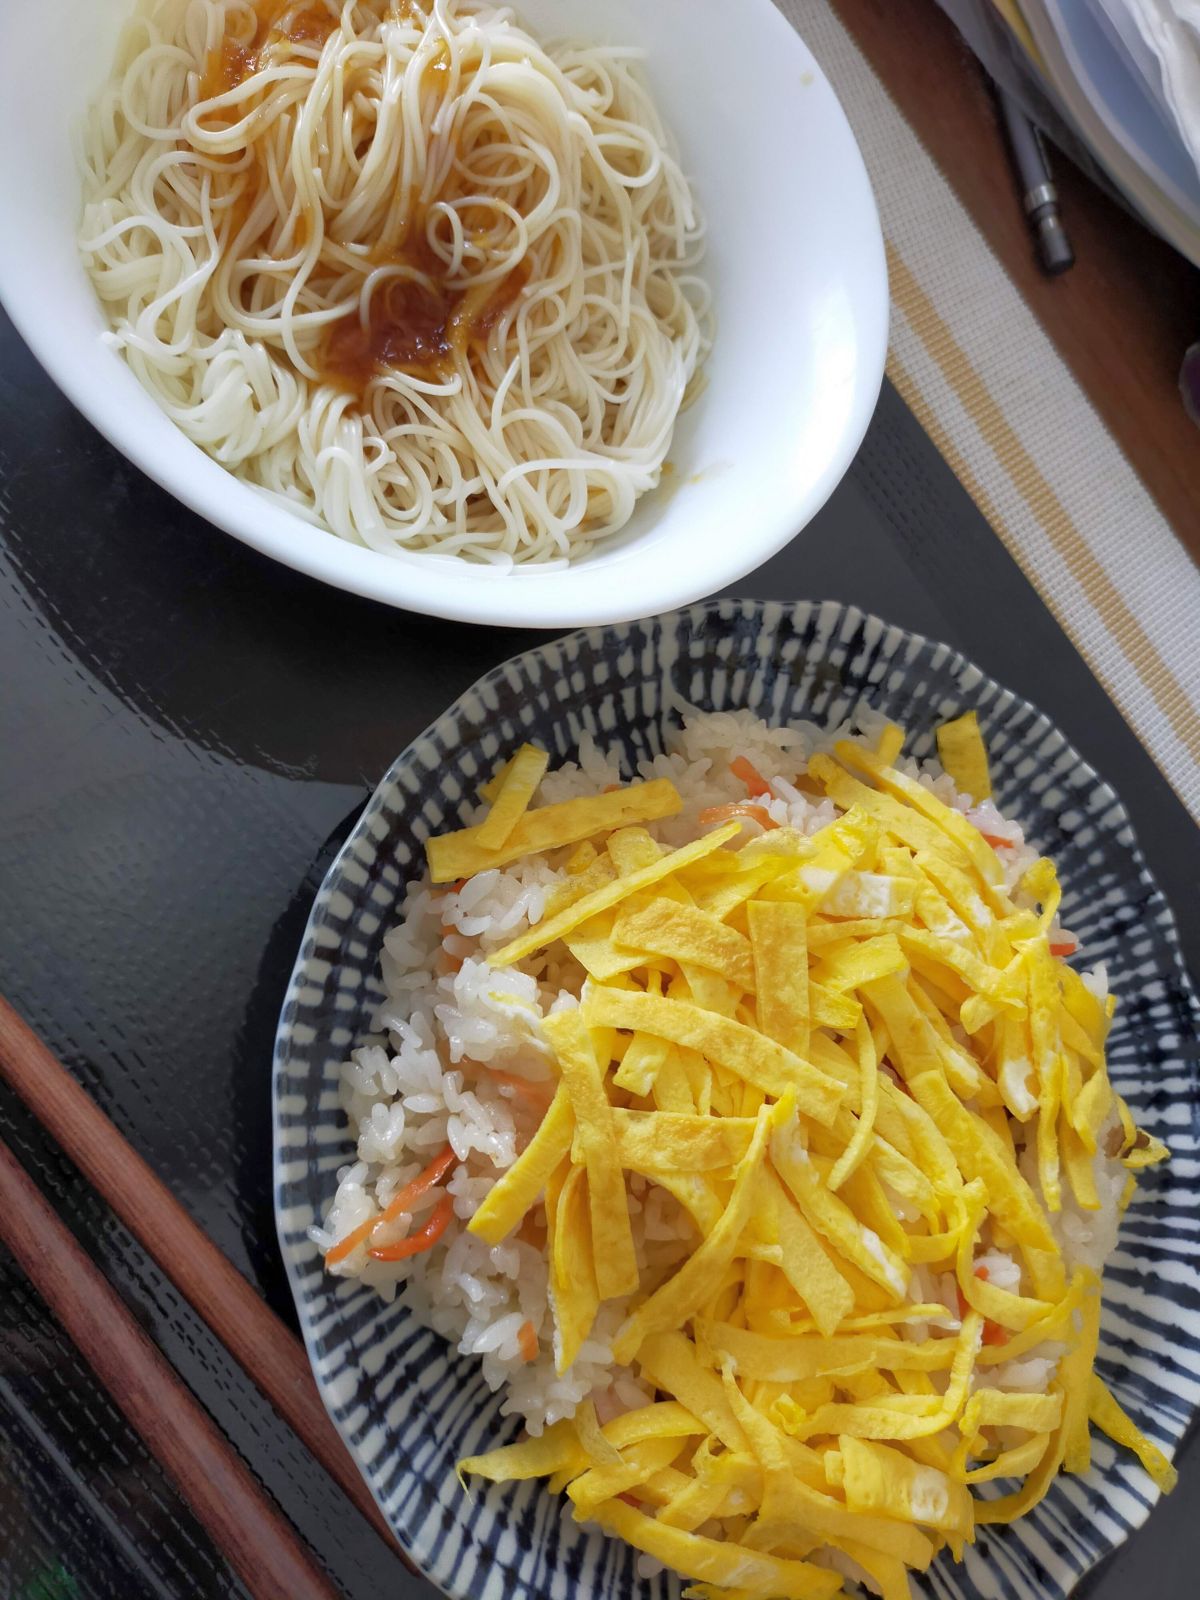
1054 247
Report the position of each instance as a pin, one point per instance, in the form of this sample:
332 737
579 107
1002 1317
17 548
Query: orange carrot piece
756 784
403 1201
536 1093
424 1239
740 808
338 1252
527 1339
1067 948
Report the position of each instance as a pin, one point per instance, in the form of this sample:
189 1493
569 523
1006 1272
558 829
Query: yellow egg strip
980 978
787 1502
791 1360
868 1106
1090 1108
779 946
662 1419
1047 1060
641 1064
630 849
671 1090
1032 1491
878 1478
516 789
695 1501
862 961
901 1416
684 1293
980 1154
600 1451
814 1278
591 943
1005 1408
1075 1375
652 1142
1001 1306
823 934
461 855
1014 1462
726 1043
732 1566
952 823
672 1363
612 1236
556 1448
721 897
1108 1415
909 827
611 894
685 933
639 1462
514 1191
870 895
832 1218
573 1292
963 755
1079 1164
586 881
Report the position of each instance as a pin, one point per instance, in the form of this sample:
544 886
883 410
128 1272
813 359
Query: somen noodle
420 278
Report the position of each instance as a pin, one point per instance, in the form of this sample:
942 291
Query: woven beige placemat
989 388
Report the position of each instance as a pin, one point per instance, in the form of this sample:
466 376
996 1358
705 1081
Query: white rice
429 1074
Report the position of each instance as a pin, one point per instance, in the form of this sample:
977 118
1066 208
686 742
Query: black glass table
186 732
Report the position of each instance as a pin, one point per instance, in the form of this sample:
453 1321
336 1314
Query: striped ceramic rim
408 1407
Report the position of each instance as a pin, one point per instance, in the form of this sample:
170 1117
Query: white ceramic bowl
795 262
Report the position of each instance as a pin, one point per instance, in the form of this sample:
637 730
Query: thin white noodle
226 235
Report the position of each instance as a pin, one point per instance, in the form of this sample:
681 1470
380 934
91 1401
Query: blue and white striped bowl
406 1406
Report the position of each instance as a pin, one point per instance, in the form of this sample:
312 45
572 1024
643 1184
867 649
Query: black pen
1039 195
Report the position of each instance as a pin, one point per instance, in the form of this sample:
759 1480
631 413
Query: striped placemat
989 388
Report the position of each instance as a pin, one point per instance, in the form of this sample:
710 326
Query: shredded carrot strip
740 808
1066 948
538 1093
527 1339
756 784
424 1238
995 839
403 1201
338 1252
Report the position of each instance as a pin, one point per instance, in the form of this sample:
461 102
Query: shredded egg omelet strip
868 1083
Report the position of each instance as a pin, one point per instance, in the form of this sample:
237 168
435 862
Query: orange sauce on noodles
414 326
415 322
240 57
